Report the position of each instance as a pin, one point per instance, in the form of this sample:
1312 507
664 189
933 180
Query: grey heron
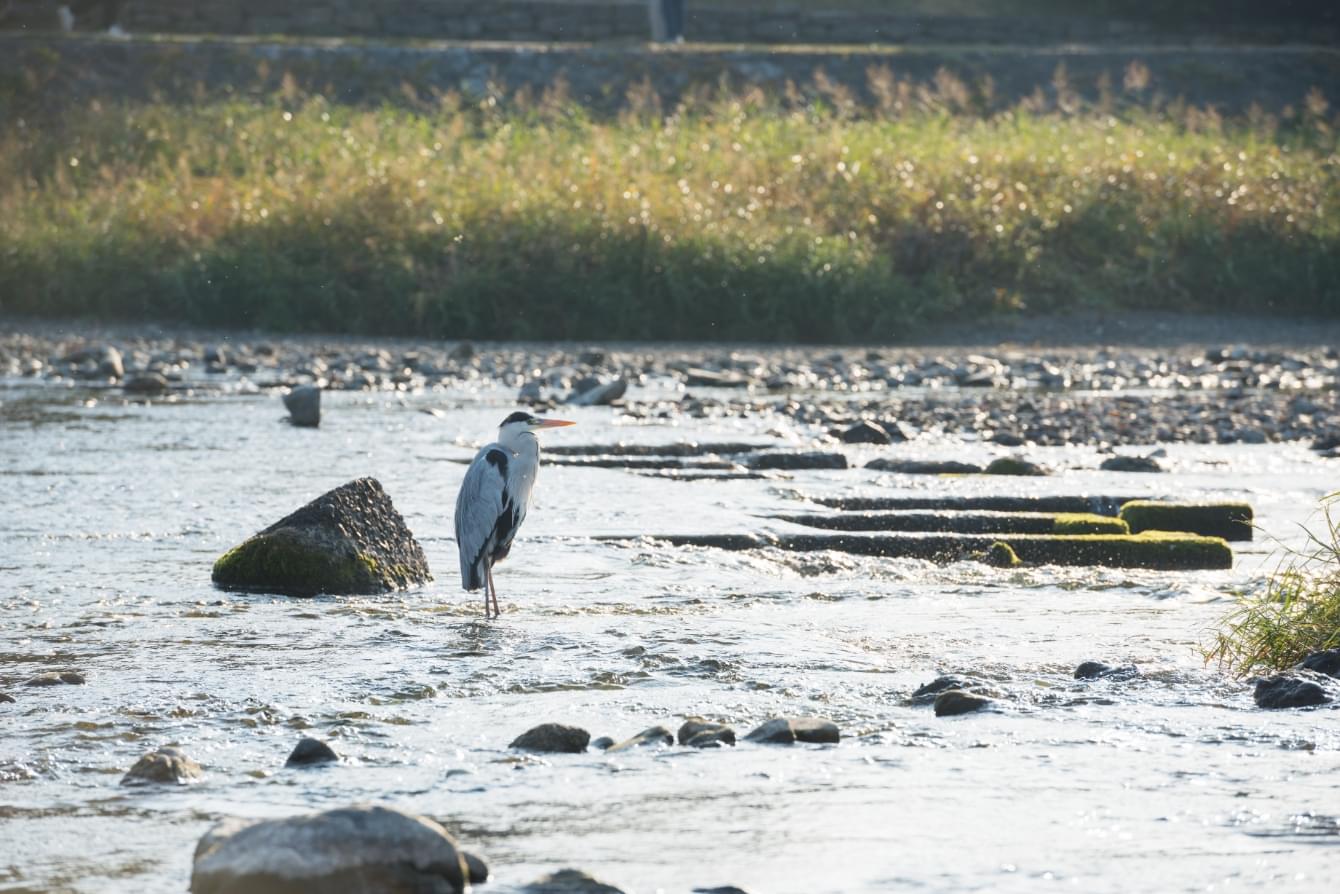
493 500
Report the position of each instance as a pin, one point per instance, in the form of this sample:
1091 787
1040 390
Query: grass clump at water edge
735 216
1298 614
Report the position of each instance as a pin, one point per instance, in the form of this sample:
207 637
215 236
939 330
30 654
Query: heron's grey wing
481 502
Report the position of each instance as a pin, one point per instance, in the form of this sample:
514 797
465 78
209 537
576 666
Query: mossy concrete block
1067 523
348 541
964 522
1229 520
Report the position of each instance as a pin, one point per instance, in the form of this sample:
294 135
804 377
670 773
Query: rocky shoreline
1088 394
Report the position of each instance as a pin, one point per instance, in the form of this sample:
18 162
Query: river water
114 512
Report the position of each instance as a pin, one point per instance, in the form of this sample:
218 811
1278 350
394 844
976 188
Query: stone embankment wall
594 20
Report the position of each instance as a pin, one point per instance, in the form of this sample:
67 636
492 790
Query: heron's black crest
498 458
518 416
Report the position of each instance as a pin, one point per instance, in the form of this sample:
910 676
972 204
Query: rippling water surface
114 513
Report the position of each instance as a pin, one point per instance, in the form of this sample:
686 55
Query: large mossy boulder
348 541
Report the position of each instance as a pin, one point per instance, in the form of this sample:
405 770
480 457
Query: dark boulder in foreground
348 541
304 406
1285 691
959 701
169 766
309 752
569 881
1097 670
1325 662
352 850
553 737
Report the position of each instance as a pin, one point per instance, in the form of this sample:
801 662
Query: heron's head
520 422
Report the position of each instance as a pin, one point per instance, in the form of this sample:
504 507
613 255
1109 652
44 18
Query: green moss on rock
1163 550
1229 520
292 562
1014 465
1001 555
1088 523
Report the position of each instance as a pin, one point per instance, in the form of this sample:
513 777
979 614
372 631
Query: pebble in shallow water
169 766
553 737
959 701
309 752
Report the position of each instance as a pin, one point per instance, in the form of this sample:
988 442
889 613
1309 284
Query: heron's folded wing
482 499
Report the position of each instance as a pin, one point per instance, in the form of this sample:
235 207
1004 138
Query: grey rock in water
959 701
604 743
695 726
794 461
476 870
926 693
304 406
1325 662
531 393
169 766
350 540
352 850
1097 670
309 752
1013 465
711 738
1287 691
600 395
569 881
6 698
146 384
815 730
866 432
776 731
656 735
924 467
1131 464
56 678
553 737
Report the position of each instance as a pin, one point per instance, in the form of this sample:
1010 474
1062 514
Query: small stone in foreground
656 735
352 850
569 881
776 731
166 765
959 701
1283 691
311 751
304 406
1325 662
554 738
815 730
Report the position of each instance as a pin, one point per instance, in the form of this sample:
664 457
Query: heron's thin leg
497 612
488 580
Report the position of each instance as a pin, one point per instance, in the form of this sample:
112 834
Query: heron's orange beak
554 423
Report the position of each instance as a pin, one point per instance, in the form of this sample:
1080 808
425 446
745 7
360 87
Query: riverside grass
1299 612
804 218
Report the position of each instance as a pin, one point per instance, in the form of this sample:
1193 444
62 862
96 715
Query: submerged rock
169 766
600 395
866 432
815 730
926 693
1013 465
796 461
1286 691
6 698
776 731
146 384
304 406
656 735
569 881
56 678
924 467
698 733
959 701
1131 464
350 540
1096 670
1325 662
311 751
553 737
352 850
604 743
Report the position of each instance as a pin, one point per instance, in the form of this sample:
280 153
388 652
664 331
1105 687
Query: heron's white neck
517 439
